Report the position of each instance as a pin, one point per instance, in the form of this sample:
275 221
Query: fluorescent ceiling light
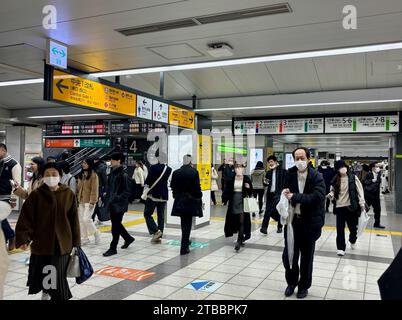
233 62
20 82
230 120
298 105
70 115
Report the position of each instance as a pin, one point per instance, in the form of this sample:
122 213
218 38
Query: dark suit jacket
160 191
312 200
372 189
280 181
186 181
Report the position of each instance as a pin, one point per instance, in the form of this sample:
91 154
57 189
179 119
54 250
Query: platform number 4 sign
133 146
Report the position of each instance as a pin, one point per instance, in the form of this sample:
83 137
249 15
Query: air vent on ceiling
219 17
246 13
158 27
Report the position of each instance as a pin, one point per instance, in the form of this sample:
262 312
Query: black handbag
103 211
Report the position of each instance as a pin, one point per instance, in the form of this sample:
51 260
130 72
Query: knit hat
340 164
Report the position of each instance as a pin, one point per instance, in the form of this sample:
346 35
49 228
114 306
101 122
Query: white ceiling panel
295 75
347 71
252 79
213 82
384 69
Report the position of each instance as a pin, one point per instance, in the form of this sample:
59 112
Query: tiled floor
256 272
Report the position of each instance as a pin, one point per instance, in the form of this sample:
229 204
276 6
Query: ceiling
88 27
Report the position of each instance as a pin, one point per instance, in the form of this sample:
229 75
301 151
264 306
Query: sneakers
97 237
45 296
156 237
340 253
110 252
127 243
353 245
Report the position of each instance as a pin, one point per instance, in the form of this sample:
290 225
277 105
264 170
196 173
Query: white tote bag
250 205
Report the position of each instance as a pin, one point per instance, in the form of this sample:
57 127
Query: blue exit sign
56 54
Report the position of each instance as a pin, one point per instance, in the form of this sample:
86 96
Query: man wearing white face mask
347 191
372 184
306 193
275 180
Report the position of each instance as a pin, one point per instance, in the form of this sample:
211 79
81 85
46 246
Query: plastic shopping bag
363 221
286 212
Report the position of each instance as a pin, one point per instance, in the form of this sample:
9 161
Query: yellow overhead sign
78 91
181 117
204 159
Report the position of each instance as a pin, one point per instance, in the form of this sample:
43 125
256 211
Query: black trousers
259 193
270 210
304 247
213 198
343 216
150 206
186 223
118 229
327 204
376 203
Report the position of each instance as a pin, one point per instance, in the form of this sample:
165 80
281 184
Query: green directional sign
95 143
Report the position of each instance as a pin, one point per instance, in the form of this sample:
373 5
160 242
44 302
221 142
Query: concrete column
24 143
397 167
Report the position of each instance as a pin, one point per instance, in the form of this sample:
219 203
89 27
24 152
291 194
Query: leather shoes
109 253
184 251
127 243
264 231
378 226
279 230
290 290
302 293
237 246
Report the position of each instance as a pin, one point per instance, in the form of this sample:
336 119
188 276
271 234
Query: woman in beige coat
87 196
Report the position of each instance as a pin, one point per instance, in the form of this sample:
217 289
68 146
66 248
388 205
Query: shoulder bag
147 189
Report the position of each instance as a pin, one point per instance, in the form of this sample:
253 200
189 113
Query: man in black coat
117 194
275 180
187 196
372 187
157 197
306 192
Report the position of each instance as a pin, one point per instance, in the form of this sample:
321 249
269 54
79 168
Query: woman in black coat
238 221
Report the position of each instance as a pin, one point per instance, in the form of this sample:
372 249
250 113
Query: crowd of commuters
60 209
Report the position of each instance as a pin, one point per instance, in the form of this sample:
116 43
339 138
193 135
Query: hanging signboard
144 107
81 92
362 124
279 126
78 143
181 117
56 54
160 112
